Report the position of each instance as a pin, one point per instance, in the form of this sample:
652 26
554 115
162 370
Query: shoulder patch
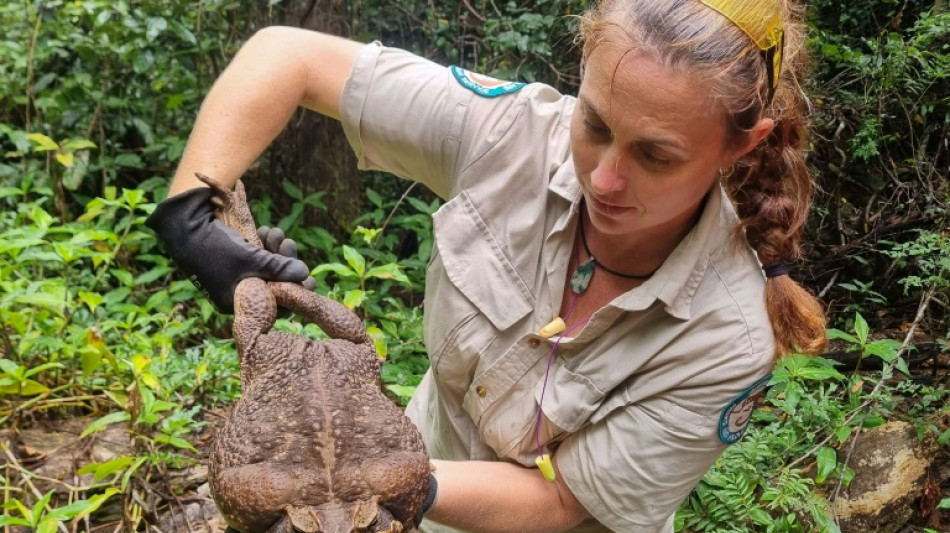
735 417
484 85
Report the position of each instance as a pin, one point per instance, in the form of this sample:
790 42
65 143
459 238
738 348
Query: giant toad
313 445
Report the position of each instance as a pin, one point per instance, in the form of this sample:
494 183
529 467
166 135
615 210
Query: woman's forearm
497 497
278 70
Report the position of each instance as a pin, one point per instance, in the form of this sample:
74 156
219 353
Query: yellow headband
761 21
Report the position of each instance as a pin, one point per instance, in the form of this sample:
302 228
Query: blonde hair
770 186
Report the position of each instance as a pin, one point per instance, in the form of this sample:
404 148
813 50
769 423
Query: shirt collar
676 281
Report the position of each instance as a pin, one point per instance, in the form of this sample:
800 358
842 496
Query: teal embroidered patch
484 85
735 417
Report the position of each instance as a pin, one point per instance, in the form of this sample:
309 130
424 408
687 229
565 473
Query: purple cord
537 423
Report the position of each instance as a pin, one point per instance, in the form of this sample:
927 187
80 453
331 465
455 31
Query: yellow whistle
546 466
553 328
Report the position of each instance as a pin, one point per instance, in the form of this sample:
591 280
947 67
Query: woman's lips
606 208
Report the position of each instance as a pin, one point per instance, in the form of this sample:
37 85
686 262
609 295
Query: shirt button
481 391
534 342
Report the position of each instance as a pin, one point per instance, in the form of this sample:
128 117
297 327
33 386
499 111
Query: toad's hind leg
254 497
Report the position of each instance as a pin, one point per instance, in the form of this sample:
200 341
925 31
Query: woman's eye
657 161
597 129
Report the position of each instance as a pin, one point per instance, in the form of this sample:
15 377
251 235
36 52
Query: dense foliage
96 102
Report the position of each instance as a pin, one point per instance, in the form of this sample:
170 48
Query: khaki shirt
633 402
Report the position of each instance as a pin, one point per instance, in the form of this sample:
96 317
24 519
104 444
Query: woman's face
647 143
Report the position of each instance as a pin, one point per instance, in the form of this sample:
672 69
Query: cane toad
313 445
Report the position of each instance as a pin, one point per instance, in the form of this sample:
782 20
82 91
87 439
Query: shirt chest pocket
473 292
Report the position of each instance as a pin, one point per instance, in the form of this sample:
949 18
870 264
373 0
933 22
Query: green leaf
292 190
827 462
388 271
9 367
65 158
111 418
91 299
354 298
873 421
81 508
42 142
47 525
379 341
860 328
339 269
944 504
101 470
26 387
402 391
6 520
356 261
842 433
79 144
129 160
944 438
155 26
177 442
841 335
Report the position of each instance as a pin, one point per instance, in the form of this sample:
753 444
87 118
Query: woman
597 299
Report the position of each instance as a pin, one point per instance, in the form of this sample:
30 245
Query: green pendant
582 274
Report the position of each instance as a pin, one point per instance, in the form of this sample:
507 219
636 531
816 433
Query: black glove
275 242
214 256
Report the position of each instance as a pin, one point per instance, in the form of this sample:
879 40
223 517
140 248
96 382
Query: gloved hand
214 256
275 242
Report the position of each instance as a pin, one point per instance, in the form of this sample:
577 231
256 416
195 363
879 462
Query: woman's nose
608 177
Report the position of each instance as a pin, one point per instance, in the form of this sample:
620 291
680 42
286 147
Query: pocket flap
476 264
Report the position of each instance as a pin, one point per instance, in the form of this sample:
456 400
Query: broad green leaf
47 525
177 442
90 360
354 298
860 328
133 197
102 422
53 302
26 387
356 261
842 433
81 508
388 271
944 438
402 391
91 299
292 190
6 520
152 275
101 470
793 394
944 504
79 144
827 462
379 341
340 270
65 158
9 367
129 160
819 374
873 421
841 335
42 143
40 368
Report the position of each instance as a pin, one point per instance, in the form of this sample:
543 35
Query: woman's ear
752 139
